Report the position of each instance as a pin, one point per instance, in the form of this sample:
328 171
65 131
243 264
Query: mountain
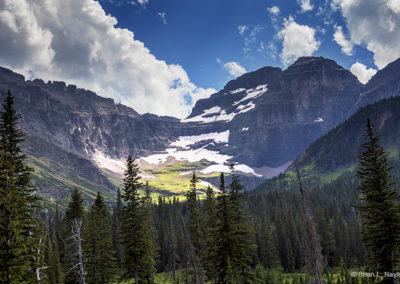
273 115
260 121
385 84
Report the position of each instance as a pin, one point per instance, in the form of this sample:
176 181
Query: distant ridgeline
336 152
261 122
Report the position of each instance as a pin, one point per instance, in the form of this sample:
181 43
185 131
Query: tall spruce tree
379 205
149 237
224 232
101 264
137 250
209 232
243 233
18 226
194 221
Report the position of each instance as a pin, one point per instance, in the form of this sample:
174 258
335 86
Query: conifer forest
298 232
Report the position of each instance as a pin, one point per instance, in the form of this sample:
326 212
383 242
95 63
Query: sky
161 56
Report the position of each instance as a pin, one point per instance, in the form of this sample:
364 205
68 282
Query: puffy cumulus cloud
305 5
242 29
362 72
234 68
375 24
75 41
394 5
346 45
298 40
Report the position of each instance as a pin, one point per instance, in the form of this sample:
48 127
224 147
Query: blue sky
196 33
161 56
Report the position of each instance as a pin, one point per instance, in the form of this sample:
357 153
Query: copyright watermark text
375 274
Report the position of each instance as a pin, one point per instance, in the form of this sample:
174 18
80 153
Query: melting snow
220 116
238 91
218 137
319 119
246 107
253 93
191 156
108 163
226 169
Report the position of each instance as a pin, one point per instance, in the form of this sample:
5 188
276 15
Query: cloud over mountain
75 41
375 24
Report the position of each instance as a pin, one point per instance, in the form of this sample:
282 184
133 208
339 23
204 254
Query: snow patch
221 116
108 163
218 137
253 93
238 91
319 119
191 156
246 107
245 128
226 169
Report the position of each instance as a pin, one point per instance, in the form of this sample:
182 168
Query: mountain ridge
261 121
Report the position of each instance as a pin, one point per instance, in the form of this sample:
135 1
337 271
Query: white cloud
75 41
143 2
162 16
274 10
242 29
346 45
375 24
394 5
361 72
234 68
305 5
298 40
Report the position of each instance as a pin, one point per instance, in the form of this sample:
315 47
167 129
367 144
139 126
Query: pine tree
223 236
194 222
209 231
380 205
243 233
268 252
313 244
19 228
149 236
72 226
137 250
100 265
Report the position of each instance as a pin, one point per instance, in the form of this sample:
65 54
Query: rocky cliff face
385 84
261 121
273 114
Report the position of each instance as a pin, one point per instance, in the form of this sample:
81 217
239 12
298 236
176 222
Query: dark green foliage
19 229
136 230
210 216
267 252
243 233
100 262
194 221
380 204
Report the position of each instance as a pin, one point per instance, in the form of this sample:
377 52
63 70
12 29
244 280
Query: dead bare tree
313 245
198 271
39 260
77 263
